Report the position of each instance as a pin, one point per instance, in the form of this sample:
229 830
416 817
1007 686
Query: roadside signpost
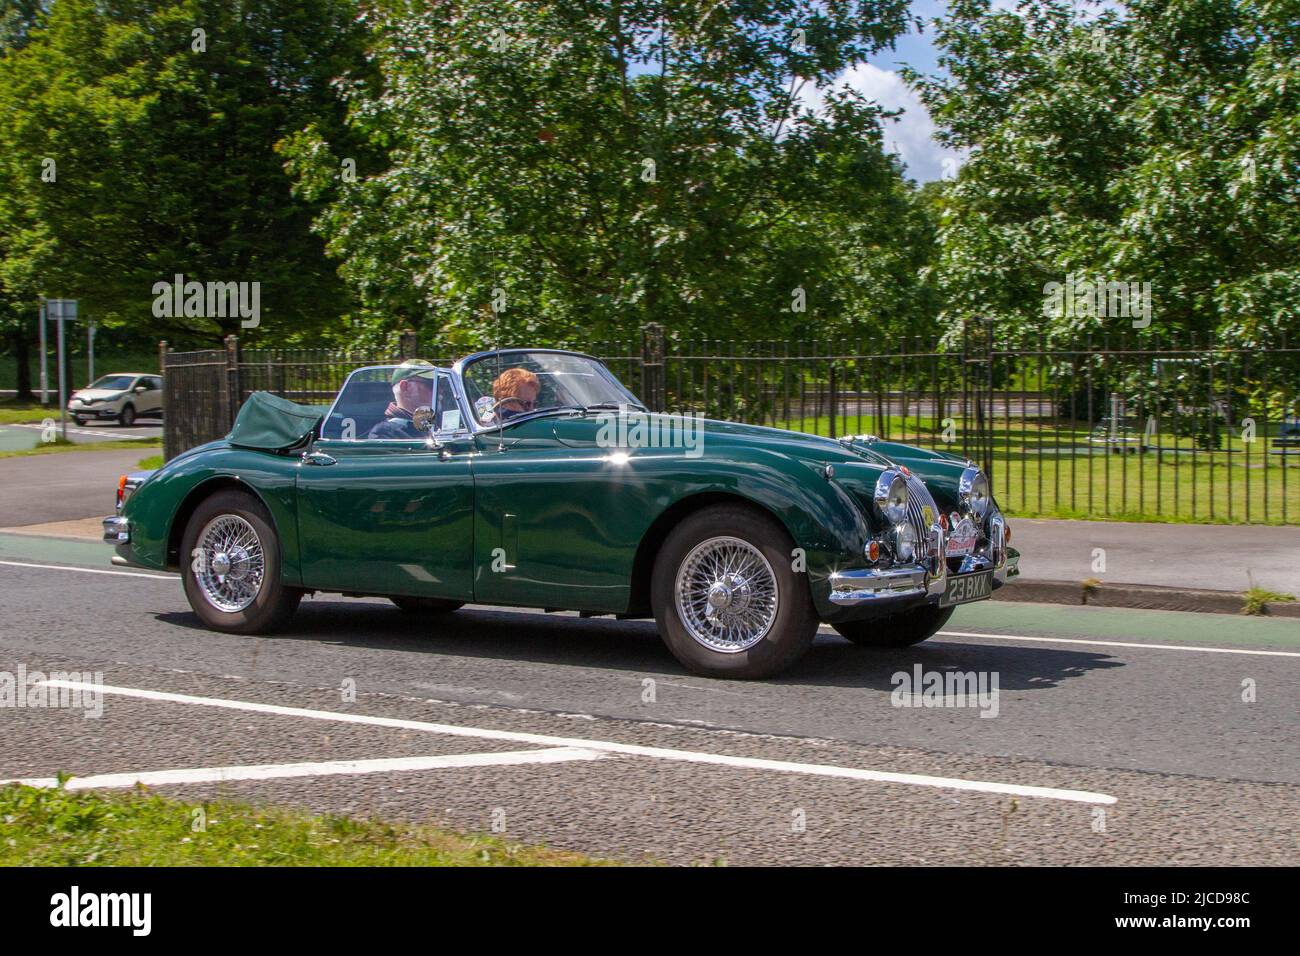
60 311
45 377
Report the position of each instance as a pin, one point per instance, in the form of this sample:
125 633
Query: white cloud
911 135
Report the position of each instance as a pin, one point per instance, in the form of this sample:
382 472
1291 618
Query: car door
390 516
558 519
149 402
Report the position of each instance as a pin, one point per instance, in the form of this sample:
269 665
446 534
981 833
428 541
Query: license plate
967 587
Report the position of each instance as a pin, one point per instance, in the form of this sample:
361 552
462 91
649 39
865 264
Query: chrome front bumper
117 530
860 586
867 585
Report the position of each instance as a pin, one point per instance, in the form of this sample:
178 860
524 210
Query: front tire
230 564
726 598
78 420
897 630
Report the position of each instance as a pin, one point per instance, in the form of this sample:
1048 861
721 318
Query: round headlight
891 496
973 491
905 542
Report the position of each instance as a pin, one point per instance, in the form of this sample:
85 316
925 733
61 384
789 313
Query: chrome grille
918 497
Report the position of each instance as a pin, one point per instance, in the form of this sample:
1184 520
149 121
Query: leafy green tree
1153 144
571 171
137 143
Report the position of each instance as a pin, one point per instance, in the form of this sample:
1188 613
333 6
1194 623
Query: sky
911 134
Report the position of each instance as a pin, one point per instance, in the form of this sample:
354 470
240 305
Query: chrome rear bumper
117 530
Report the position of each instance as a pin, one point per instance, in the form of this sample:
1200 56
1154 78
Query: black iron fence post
170 443
653 385
233 397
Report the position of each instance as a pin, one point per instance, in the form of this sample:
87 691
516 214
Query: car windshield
116 382
504 385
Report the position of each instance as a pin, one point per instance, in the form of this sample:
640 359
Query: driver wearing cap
412 389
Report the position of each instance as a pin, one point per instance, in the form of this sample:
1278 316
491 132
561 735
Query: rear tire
127 418
897 630
424 605
726 598
230 566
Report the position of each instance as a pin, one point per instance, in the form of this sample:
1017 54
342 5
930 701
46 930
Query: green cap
413 368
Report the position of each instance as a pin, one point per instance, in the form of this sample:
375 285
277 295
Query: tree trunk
22 355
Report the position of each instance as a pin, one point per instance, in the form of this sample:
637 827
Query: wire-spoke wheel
726 594
230 565
726 597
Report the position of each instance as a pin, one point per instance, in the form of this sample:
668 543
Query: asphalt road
21 437
586 734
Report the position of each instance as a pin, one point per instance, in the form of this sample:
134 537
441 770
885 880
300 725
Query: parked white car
123 397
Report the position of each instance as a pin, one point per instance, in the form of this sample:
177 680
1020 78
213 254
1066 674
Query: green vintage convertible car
533 478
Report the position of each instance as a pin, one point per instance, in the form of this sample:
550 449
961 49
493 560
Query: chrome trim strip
1010 568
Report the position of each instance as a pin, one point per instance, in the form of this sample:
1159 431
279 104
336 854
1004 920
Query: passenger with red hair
517 390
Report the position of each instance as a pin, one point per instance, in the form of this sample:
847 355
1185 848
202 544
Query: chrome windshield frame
462 394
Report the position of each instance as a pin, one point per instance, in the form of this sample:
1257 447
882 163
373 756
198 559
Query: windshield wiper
613 406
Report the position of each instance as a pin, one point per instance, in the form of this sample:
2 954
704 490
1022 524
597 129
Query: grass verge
1257 600
56 827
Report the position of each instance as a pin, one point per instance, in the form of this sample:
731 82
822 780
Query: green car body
542 513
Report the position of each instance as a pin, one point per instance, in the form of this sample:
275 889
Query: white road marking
64 567
129 434
325 768
608 746
1145 647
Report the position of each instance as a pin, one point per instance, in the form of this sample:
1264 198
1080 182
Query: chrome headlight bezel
905 542
890 496
975 493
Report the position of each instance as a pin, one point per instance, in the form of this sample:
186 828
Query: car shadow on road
635 646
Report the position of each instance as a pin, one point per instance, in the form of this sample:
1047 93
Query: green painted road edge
1039 620
40 548
1125 624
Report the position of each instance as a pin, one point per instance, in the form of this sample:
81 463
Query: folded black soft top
270 423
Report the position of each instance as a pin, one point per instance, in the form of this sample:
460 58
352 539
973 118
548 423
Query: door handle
317 458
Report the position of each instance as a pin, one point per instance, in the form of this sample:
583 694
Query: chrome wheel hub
726 594
230 565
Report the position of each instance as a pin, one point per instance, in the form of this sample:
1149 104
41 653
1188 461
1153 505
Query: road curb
1147 596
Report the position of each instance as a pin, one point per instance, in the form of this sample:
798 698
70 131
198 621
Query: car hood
98 393
600 429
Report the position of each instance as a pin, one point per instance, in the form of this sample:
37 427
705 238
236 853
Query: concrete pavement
1184 556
